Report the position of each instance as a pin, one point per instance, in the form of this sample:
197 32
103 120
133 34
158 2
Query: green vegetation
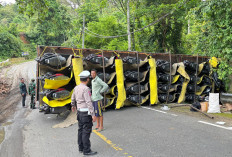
2 135
226 115
9 44
189 26
213 28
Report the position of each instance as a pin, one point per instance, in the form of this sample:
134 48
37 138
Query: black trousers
32 101
24 99
85 128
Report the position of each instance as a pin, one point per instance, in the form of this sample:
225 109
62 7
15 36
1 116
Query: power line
78 40
164 16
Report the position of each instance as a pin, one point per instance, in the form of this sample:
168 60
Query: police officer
81 100
32 93
23 91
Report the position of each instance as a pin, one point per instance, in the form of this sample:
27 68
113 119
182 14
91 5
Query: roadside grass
15 61
7 123
23 61
226 115
186 110
2 135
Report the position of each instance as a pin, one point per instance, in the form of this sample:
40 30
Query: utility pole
83 32
128 25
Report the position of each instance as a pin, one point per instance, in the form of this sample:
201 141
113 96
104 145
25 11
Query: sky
7 1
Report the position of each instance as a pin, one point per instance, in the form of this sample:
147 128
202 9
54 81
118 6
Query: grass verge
185 110
2 135
15 61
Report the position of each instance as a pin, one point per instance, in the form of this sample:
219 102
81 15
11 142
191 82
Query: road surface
129 132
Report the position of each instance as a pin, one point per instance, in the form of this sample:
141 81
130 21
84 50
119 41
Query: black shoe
81 149
90 153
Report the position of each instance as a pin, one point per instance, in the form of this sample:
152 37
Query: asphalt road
132 131
129 132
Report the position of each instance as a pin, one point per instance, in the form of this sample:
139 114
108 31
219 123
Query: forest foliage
191 26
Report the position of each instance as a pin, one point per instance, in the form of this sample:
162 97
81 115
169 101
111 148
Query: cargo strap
43 51
120 84
80 53
117 54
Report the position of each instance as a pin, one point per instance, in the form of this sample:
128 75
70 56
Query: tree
10 46
214 25
32 7
107 25
53 21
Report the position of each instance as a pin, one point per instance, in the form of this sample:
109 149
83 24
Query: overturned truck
134 78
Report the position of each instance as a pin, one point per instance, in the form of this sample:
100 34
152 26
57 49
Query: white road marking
219 126
159 111
154 109
174 115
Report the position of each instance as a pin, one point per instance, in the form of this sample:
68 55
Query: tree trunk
83 32
128 25
189 27
133 35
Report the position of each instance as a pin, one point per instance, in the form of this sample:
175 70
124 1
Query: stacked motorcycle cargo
56 82
136 78
166 85
132 80
97 62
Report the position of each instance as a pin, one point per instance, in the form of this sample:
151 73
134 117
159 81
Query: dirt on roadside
8 104
9 86
10 96
222 117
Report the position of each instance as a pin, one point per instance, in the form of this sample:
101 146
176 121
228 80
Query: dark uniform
32 93
23 91
81 99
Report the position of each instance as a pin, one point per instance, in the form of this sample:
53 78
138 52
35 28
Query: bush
10 46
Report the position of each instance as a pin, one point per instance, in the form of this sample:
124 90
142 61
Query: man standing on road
98 89
23 91
32 93
81 100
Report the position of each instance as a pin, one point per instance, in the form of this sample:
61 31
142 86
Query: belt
83 109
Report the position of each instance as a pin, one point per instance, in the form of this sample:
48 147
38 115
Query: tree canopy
186 26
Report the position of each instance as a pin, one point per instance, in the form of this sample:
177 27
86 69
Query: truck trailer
134 78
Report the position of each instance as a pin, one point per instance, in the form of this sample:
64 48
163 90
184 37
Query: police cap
84 74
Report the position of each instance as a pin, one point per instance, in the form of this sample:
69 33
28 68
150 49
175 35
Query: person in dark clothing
81 101
23 91
31 90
